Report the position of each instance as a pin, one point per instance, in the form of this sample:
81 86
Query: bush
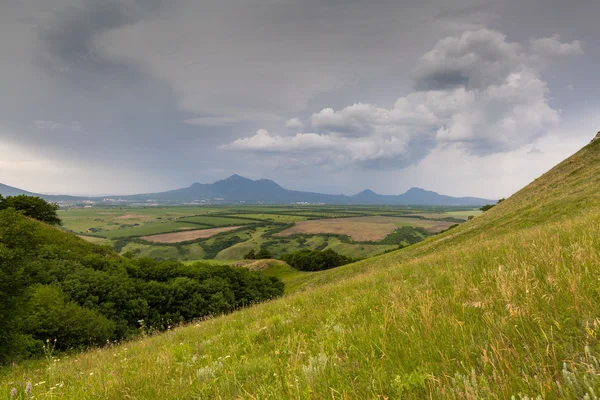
314 260
51 315
262 254
406 235
251 255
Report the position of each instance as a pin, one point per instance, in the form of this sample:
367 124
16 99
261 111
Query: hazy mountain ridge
238 189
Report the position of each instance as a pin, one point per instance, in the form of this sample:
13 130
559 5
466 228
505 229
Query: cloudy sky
464 97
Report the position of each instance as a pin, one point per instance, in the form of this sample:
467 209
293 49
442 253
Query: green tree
17 240
263 254
251 255
33 207
488 206
54 285
51 315
314 260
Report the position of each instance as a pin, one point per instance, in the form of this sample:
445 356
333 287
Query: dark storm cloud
442 80
413 153
68 47
124 114
173 87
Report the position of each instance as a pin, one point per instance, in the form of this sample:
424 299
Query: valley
185 233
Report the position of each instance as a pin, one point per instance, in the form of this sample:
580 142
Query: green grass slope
507 304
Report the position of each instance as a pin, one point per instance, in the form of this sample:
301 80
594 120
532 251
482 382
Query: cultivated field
178 237
213 232
363 229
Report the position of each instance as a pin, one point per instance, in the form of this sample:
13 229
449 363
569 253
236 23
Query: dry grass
362 229
259 265
141 217
178 237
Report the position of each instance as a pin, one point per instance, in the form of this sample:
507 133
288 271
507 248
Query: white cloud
294 124
263 141
476 91
553 47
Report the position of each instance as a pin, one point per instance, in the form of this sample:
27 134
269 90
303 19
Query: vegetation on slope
56 286
32 207
504 305
315 260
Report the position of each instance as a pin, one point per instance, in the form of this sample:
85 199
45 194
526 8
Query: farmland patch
177 237
363 229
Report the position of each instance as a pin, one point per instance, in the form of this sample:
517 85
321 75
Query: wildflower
13 393
28 389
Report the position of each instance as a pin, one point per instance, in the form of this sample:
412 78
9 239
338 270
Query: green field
148 229
280 218
504 306
183 253
215 221
124 227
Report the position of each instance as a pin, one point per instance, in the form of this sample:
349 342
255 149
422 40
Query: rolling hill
6 190
505 305
237 189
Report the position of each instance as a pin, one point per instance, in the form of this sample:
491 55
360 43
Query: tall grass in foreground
516 315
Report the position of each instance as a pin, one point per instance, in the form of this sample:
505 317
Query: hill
6 190
504 305
237 189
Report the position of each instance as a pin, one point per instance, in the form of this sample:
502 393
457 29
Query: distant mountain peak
237 188
418 190
366 192
236 178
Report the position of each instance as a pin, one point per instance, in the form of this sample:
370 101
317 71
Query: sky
464 97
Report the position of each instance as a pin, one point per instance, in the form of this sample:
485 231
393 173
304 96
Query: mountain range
237 189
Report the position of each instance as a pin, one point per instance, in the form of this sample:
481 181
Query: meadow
504 306
227 233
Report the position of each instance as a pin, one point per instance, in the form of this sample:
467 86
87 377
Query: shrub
263 254
406 235
251 255
51 315
314 260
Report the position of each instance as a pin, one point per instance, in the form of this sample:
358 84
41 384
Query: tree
488 206
314 260
17 240
33 207
263 254
251 255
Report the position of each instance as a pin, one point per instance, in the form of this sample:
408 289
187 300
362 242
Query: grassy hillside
507 304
